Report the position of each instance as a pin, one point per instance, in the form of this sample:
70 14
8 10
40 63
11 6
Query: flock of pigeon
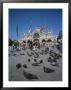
52 59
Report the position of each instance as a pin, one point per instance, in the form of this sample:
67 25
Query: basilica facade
40 36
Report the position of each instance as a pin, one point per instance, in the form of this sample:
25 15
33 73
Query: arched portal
36 42
49 40
43 42
29 44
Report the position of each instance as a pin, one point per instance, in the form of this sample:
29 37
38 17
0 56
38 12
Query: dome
38 30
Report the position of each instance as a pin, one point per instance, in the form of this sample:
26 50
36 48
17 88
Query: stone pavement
30 65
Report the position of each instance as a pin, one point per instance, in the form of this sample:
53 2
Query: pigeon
55 55
29 76
18 66
35 60
36 55
32 53
40 61
58 56
35 64
29 60
41 53
48 70
29 54
55 64
11 51
14 54
54 60
24 65
50 59
51 52
46 52
22 54
9 54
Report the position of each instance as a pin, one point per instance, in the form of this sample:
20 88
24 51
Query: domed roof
38 30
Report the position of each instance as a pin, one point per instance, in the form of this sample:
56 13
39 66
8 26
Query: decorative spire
48 30
29 29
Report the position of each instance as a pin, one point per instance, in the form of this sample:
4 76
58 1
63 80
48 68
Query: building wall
42 35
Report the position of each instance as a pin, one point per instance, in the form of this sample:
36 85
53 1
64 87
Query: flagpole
17 32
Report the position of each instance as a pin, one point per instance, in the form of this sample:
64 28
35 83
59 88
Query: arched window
36 40
29 42
36 35
49 40
43 40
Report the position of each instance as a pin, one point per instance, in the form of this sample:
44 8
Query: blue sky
36 17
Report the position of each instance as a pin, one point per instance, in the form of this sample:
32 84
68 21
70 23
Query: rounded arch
36 35
36 40
49 40
43 40
24 41
29 42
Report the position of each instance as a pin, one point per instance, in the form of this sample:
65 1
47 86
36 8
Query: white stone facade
40 35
